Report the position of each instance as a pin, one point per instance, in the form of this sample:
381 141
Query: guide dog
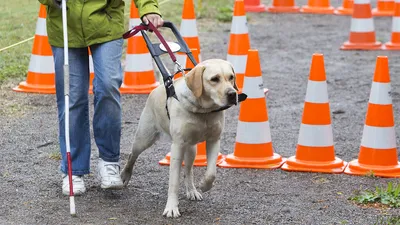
195 116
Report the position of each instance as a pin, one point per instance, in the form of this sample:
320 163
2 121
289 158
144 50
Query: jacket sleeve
145 7
47 2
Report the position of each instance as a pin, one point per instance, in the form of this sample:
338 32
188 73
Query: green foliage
388 196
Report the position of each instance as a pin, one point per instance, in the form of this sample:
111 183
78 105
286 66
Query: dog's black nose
232 97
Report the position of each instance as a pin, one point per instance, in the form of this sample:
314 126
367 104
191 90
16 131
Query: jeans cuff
107 159
75 172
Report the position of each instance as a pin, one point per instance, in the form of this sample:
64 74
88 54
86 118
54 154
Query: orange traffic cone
283 6
254 6
139 77
188 30
346 8
253 147
40 78
362 30
378 151
200 160
318 7
383 8
91 69
315 151
239 42
394 44
189 64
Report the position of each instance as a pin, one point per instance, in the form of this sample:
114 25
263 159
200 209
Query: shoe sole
112 187
76 193
109 187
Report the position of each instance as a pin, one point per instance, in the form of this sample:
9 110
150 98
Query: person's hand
154 18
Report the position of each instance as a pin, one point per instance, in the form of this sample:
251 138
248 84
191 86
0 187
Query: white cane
66 107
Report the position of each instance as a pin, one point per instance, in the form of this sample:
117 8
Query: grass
19 23
381 196
55 155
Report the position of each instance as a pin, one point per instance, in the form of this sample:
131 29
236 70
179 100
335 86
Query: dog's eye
231 77
215 79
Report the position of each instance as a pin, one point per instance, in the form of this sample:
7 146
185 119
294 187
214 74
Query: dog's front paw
207 183
171 210
194 195
126 176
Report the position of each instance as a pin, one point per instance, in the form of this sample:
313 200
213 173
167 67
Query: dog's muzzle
232 97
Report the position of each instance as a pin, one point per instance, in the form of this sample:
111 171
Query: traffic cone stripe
41 46
316 136
362 25
41 27
378 121
253 110
138 46
265 148
385 5
396 23
318 92
41 64
134 22
91 67
378 137
239 25
40 79
316 114
239 9
42 11
388 157
140 77
238 62
362 37
362 11
133 65
380 93
251 90
260 132
360 2
188 10
242 47
189 28
310 153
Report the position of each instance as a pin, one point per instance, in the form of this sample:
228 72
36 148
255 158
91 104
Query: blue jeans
107 107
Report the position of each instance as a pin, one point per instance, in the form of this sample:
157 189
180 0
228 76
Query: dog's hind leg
145 137
213 148
191 192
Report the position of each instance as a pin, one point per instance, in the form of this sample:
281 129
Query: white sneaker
109 175
77 183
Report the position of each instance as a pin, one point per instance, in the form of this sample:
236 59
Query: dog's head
213 81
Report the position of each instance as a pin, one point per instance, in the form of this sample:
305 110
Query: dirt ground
30 181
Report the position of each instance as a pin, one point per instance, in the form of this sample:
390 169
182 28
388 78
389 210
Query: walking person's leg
78 112
107 110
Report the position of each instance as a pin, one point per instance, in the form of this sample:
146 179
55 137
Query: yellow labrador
206 88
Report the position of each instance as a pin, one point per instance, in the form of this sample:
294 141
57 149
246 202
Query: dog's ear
194 80
234 82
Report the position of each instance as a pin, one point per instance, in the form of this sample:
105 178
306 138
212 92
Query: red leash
151 27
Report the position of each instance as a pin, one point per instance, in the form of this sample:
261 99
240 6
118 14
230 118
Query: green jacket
91 21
